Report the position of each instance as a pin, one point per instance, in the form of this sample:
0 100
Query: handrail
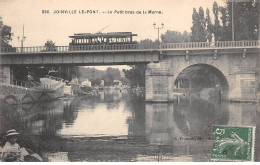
185 45
219 44
21 83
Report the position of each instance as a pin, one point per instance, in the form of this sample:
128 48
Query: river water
117 125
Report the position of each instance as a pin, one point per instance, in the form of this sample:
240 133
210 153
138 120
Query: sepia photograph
129 81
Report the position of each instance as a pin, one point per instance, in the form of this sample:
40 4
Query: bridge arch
219 73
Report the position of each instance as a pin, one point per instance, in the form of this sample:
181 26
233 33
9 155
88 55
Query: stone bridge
235 63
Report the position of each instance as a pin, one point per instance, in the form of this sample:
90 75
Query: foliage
217 27
136 75
245 19
124 80
175 37
111 75
226 33
148 44
50 46
95 76
6 35
168 37
197 76
209 26
198 28
95 81
246 22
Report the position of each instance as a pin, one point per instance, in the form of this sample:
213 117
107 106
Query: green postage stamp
233 143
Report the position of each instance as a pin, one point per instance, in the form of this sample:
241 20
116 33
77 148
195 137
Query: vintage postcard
129 81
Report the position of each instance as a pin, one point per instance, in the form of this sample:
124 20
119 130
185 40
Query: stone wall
16 95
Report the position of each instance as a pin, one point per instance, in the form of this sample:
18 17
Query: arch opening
202 76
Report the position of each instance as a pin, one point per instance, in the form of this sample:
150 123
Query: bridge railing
194 45
34 49
220 44
103 47
69 48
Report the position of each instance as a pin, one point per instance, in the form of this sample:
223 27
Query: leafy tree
194 28
136 75
209 26
124 80
175 37
198 29
217 27
148 44
6 35
226 34
202 23
95 81
111 75
50 46
246 19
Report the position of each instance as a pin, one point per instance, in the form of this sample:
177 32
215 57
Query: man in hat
11 150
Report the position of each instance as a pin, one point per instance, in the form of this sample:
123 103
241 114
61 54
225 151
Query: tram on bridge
102 41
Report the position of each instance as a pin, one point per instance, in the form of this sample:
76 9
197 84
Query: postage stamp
233 143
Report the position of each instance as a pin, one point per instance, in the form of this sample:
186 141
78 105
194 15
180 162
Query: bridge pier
243 86
159 82
5 74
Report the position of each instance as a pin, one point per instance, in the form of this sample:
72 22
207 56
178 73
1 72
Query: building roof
107 35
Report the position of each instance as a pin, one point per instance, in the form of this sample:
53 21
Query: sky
109 16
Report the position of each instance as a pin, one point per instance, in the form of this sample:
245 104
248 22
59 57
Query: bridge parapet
42 49
132 47
214 45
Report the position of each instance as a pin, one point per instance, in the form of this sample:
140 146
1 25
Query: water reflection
119 126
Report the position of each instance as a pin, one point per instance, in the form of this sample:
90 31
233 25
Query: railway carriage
102 41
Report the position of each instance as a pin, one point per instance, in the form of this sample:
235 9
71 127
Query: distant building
118 83
74 80
86 82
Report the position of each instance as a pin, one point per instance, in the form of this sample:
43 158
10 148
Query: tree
209 26
194 28
111 75
217 27
6 35
245 16
198 29
95 81
226 26
136 75
50 46
148 44
202 25
175 37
